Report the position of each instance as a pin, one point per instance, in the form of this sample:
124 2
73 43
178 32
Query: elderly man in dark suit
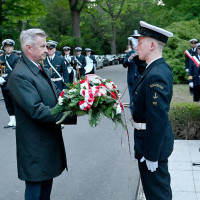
151 102
40 147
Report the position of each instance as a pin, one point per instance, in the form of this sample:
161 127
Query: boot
12 122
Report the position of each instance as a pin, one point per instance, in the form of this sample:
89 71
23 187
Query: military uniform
153 137
68 62
192 52
60 66
9 61
90 59
57 66
194 77
79 62
132 75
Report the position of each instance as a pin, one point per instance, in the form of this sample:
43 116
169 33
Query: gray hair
29 37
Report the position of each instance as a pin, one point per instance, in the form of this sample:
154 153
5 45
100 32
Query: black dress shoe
8 126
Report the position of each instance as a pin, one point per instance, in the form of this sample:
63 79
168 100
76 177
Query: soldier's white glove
187 70
191 84
2 81
152 166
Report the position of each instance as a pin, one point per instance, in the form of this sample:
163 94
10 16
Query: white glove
2 81
152 166
187 70
191 84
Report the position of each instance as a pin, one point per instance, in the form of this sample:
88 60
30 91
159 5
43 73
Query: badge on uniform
155 95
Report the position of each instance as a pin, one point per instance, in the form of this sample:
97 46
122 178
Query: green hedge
185 120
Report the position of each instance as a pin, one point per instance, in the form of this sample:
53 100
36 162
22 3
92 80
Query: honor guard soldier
132 74
58 53
91 62
68 61
57 66
153 137
79 63
194 73
189 53
9 60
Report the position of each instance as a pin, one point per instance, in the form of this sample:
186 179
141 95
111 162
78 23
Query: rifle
78 65
2 69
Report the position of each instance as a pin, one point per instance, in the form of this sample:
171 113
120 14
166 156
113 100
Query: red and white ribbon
187 54
195 60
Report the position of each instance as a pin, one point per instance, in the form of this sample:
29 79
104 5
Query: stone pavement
185 178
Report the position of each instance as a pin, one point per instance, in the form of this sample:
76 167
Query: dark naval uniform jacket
59 64
151 103
82 60
40 147
193 52
12 61
132 74
194 72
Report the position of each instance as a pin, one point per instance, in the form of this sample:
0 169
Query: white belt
139 126
57 79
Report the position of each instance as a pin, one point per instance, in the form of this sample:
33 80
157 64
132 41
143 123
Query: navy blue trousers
7 99
38 190
156 185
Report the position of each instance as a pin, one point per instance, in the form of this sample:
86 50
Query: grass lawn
181 93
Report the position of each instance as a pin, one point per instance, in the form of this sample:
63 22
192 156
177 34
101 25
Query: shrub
185 120
174 52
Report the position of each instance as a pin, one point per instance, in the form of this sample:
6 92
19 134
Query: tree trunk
76 24
113 40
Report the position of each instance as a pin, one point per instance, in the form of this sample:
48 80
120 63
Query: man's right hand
191 84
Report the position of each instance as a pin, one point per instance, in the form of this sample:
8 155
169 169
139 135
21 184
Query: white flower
119 109
72 90
102 90
60 100
96 81
109 86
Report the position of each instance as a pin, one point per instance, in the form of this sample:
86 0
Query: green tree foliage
18 15
174 51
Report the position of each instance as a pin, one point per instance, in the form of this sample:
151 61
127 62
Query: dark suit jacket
40 147
151 103
194 72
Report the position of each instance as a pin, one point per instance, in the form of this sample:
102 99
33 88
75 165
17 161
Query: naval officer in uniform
91 62
79 62
68 61
151 102
194 74
9 60
192 52
57 66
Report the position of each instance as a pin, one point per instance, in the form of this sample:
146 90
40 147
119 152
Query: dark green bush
174 51
185 120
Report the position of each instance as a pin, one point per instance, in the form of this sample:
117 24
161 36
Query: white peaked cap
148 30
